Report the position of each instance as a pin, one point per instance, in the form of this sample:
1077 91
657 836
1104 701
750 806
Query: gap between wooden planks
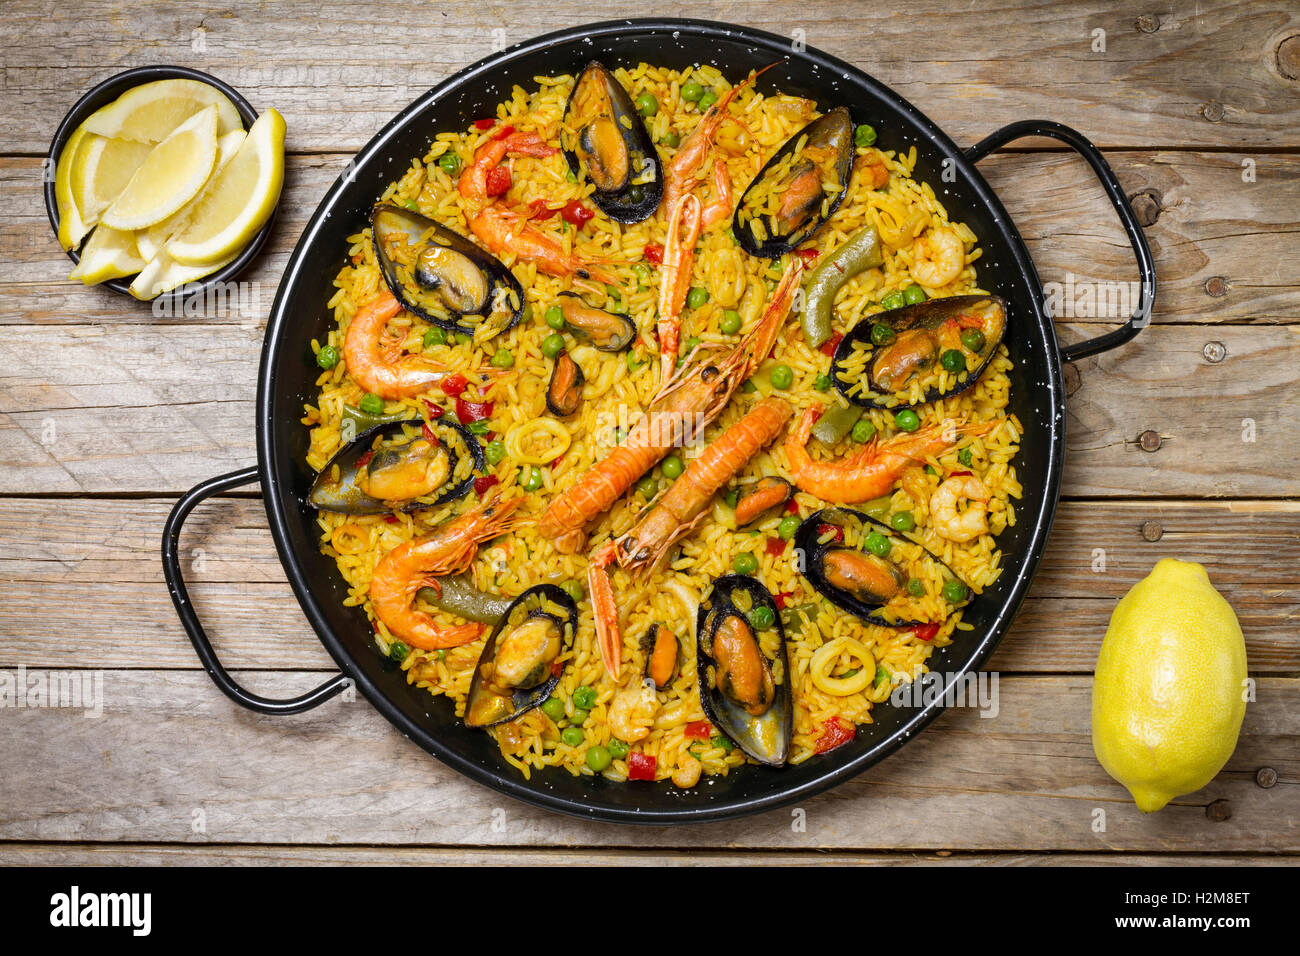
1211 225
169 750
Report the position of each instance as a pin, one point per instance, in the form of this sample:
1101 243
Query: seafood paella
662 428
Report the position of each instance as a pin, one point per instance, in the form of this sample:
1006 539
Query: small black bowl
102 95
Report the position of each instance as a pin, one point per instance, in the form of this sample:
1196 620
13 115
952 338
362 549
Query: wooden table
107 413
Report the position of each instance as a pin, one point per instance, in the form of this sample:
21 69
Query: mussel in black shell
762 496
387 468
606 141
874 579
440 275
744 672
564 391
662 652
606 331
523 657
919 353
799 188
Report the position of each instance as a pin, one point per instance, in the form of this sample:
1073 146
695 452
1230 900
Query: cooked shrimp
448 549
632 712
688 772
938 257
871 472
384 370
505 232
679 256
960 525
475 183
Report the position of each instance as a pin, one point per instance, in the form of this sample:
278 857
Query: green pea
902 521
964 456
708 99
894 300
863 430
617 749
916 587
574 589
579 715
647 104
953 360
572 736
973 339
781 377
692 91
372 404
882 675
744 563
864 136
598 758
502 358
692 344
553 345
434 336
730 322
327 357
672 467
584 697
554 317
762 617
450 163
534 480
747 386
954 592
717 740
788 526
411 204
881 334
907 420
633 363
553 708
647 487
397 651
878 544
914 295
642 273
671 140
823 383
697 297
494 451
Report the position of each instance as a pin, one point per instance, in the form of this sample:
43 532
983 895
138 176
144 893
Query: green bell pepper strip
460 597
836 422
860 253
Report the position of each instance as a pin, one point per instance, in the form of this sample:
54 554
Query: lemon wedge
151 112
239 200
163 274
109 254
171 175
72 228
152 240
99 172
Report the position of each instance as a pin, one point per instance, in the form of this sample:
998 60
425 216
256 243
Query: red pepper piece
484 483
473 411
792 507
576 214
641 766
775 546
828 528
482 124
831 344
835 733
429 436
699 730
807 255
783 600
960 474
498 181
655 254
926 632
540 211
503 132
365 459
435 411
391 519
454 384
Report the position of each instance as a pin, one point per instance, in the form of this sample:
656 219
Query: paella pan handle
1141 318
181 598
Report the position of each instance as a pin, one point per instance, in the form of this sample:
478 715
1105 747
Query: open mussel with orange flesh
944 343
605 140
798 189
523 657
874 579
440 275
398 466
662 653
564 390
744 672
606 331
756 500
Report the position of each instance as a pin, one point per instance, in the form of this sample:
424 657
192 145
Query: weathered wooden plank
170 760
67 563
157 409
1211 225
73 854
1187 75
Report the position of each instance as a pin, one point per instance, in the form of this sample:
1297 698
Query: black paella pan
287 379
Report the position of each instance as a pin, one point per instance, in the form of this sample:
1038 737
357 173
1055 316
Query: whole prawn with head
681 410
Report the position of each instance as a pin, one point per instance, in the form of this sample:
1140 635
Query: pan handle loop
181 598
1141 318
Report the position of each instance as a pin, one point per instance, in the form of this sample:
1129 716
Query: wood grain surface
108 412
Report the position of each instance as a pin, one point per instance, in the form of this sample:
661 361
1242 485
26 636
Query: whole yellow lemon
1169 693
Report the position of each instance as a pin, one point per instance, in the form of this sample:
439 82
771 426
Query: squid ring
514 441
826 656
